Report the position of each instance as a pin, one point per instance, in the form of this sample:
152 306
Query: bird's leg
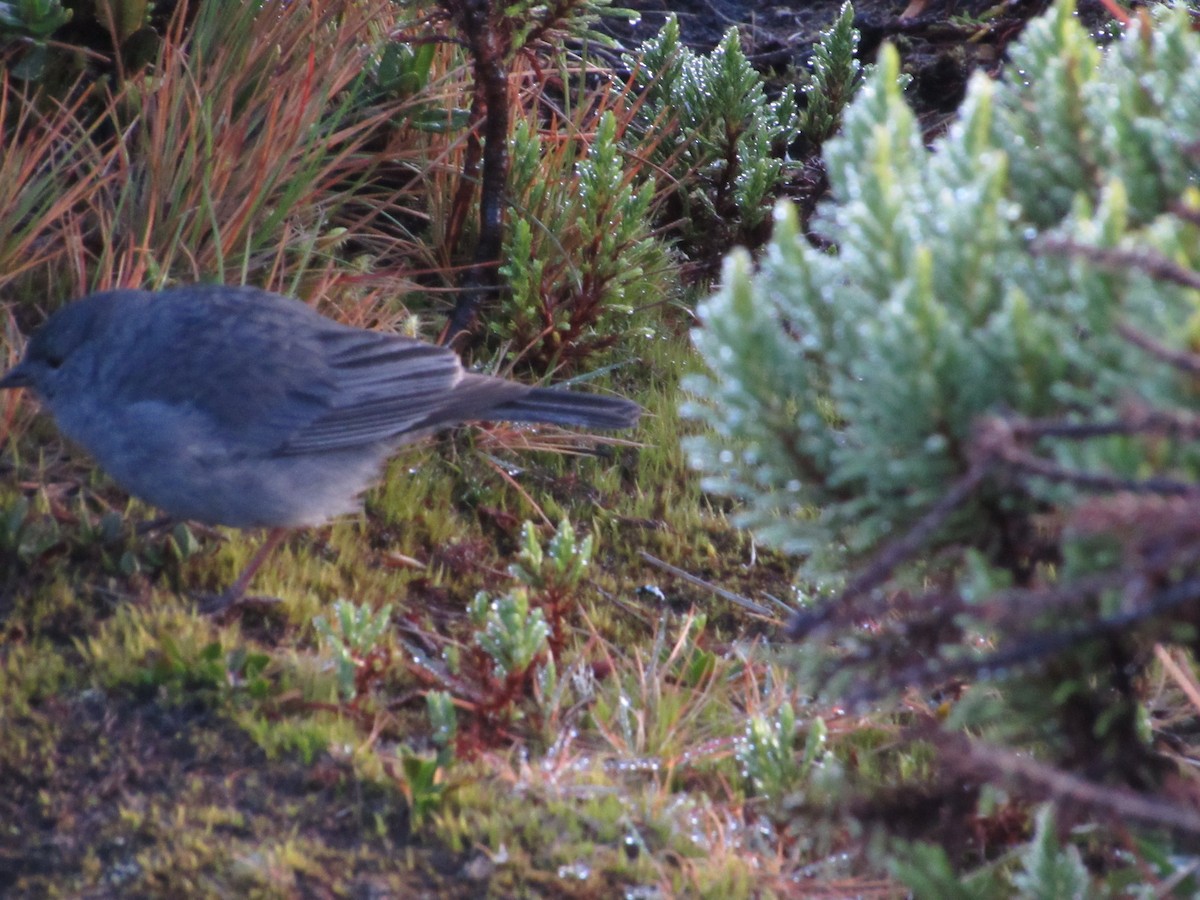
235 596
237 590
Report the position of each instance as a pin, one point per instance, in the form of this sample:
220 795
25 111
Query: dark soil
148 767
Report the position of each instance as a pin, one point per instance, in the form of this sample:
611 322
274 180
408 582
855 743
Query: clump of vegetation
353 635
519 637
183 173
690 153
717 136
985 392
580 257
24 28
834 78
719 147
495 36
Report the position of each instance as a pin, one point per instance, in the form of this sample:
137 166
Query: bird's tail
555 406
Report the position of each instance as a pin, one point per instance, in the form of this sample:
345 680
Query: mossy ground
149 749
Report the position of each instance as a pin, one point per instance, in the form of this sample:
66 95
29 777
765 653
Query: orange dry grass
247 152
43 197
241 151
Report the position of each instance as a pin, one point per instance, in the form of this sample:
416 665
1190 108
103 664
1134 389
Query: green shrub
580 255
987 388
716 136
846 387
717 142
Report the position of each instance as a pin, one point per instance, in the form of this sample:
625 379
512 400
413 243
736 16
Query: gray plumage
239 407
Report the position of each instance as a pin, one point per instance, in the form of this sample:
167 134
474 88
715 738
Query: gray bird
235 406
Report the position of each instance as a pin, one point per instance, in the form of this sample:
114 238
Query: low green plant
443 721
767 754
25 25
421 783
1049 870
710 129
553 575
401 69
517 637
513 636
836 76
24 536
1042 869
33 18
214 668
927 871
113 39
558 568
580 255
423 778
355 636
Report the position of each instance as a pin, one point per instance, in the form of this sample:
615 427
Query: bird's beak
17 377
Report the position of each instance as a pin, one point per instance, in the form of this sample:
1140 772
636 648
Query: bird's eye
54 360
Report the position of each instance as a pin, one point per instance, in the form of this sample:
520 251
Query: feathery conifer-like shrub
976 417
992 273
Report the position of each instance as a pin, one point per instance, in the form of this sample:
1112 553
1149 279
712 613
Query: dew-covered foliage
543 663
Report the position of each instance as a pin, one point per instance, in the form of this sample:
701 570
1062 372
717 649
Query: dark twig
488 44
1123 804
804 623
1136 418
1001 436
738 599
1179 359
1030 464
997 444
1114 259
1029 647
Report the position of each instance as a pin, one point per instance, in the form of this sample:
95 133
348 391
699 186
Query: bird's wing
272 376
382 387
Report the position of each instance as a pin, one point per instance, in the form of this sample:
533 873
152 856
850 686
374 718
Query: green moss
305 738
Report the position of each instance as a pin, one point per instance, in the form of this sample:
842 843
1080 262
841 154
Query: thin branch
489 45
1113 259
886 561
1121 803
1179 359
1031 464
1136 418
1026 648
737 599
